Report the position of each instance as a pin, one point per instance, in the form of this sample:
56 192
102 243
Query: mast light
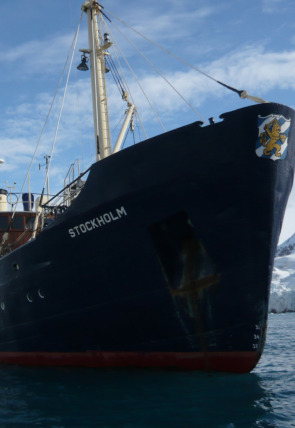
83 66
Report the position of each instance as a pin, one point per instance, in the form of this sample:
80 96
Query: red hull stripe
234 362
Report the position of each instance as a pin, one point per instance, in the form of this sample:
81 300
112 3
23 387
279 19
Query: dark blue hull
164 259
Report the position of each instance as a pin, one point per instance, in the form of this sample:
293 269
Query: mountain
287 247
282 296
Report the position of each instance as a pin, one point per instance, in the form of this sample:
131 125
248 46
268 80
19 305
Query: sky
247 44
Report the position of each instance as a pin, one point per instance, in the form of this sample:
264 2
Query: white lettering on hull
97 222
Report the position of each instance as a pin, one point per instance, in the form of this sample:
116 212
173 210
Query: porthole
40 294
2 306
15 266
29 297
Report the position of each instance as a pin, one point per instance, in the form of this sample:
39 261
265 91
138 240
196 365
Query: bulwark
97 222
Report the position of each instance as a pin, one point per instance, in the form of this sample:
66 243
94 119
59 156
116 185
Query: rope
116 76
144 94
73 47
119 122
46 120
137 81
162 75
127 133
242 93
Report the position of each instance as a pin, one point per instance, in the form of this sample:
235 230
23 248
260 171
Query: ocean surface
67 397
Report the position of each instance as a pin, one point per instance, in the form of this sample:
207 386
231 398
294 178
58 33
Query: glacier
282 295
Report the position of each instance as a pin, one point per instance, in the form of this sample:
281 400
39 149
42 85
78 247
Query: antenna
46 157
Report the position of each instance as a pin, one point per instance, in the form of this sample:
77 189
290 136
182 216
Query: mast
97 48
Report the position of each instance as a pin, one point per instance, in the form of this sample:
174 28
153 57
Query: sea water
68 397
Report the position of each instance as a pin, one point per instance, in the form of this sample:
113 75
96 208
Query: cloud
166 20
252 68
256 69
40 57
272 6
171 25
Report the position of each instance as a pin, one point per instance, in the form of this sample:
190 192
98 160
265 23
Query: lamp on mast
83 66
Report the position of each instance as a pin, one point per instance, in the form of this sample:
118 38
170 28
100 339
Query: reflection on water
68 397
133 398
277 369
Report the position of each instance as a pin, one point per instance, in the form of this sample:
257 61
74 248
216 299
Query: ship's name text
97 222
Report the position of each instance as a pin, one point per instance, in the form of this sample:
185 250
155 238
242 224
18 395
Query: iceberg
282 295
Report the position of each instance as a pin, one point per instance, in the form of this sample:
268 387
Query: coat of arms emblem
272 140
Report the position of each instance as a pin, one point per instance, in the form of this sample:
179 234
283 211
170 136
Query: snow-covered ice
282 296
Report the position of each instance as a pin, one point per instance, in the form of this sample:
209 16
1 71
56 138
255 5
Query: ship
159 255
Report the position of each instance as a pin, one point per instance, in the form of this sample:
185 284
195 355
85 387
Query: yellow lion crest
269 139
